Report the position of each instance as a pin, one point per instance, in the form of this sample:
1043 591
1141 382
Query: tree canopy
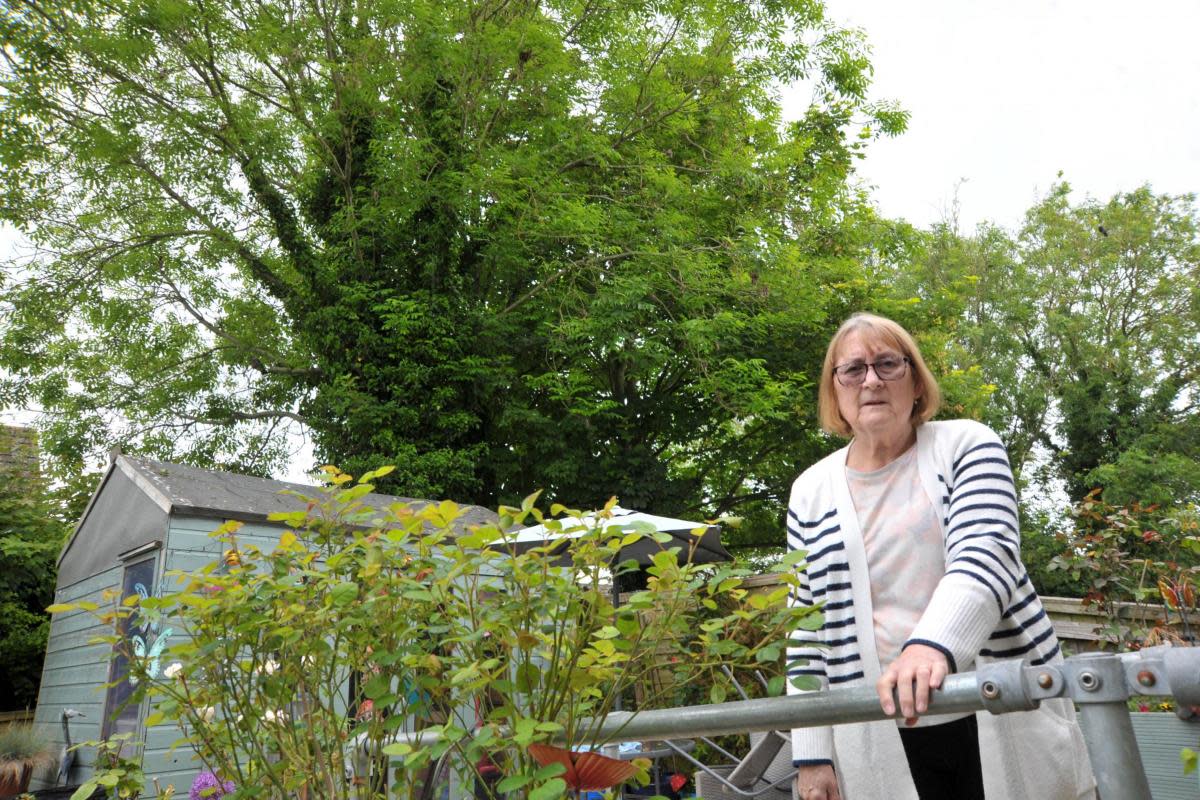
1085 328
500 244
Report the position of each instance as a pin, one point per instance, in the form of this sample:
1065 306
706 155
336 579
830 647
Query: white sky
1007 94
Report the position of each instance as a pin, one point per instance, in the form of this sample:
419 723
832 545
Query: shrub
303 664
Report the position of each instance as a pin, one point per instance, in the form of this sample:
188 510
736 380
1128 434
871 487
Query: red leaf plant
585 771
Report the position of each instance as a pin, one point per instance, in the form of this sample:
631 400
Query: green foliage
482 650
1136 554
118 770
500 245
32 531
1074 338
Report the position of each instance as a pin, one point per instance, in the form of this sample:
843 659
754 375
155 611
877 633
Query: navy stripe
815 672
988 521
812 657
839 604
846 678
828 531
982 506
1005 544
958 477
958 471
812 762
833 587
1004 633
840 623
1012 579
1007 586
1037 662
1007 494
1020 605
826 551
833 662
792 514
1023 649
837 566
991 589
975 449
842 642
999 476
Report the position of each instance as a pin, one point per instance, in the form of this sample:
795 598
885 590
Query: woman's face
875 409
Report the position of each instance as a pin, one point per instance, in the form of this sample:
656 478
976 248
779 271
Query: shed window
139 637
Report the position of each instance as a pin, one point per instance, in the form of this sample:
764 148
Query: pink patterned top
905 555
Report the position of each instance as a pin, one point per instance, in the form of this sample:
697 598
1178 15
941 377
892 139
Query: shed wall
189 546
75 671
120 518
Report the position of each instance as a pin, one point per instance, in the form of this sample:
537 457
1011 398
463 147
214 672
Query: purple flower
208 786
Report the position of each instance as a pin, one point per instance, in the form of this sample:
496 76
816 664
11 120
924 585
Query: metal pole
1097 682
1100 683
833 707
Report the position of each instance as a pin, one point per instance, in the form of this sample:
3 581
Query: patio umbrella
708 549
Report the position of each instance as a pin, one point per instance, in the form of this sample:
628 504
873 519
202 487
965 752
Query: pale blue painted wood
1160 738
189 547
74 673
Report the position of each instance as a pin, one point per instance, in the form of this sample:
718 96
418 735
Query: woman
913 548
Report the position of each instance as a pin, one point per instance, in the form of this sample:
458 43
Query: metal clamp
1003 687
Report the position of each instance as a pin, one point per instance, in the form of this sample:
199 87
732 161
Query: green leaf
85 789
1189 758
512 782
550 790
344 593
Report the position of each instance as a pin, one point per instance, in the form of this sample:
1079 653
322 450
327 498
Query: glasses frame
870 365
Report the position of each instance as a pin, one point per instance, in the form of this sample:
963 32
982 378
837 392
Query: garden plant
366 648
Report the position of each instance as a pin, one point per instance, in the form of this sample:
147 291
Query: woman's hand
918 670
817 783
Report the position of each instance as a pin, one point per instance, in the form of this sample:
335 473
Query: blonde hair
884 331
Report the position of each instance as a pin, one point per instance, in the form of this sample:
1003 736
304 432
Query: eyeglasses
888 368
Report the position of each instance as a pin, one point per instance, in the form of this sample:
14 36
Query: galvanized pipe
1099 683
1116 760
960 693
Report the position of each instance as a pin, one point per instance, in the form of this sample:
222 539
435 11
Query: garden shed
144 520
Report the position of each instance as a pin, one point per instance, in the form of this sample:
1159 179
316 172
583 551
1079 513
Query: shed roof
180 489
191 491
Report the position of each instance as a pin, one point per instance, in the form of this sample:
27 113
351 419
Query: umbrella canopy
708 549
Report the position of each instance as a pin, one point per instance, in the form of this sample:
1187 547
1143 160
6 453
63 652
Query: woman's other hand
917 671
817 783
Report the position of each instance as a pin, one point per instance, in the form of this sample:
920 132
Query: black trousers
944 760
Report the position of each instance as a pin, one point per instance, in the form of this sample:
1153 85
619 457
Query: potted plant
22 750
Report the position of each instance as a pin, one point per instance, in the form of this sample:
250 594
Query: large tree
501 244
1085 325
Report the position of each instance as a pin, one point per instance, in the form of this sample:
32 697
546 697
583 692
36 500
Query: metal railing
1100 684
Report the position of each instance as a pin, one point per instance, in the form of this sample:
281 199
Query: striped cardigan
984 608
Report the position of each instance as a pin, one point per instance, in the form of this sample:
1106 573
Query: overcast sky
1005 95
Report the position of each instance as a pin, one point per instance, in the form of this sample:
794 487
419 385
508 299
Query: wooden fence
1079 627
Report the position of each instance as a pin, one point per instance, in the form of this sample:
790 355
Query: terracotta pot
13 782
